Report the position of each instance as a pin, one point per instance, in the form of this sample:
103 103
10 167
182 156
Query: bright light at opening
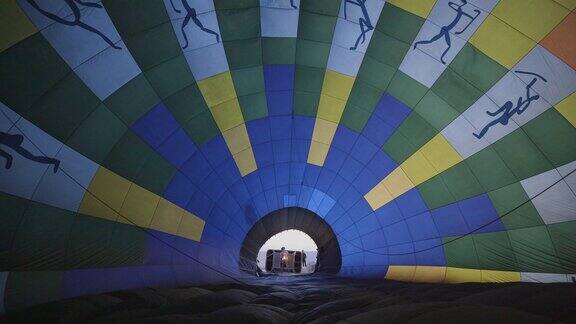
294 240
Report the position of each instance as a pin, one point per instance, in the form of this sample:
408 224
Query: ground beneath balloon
318 299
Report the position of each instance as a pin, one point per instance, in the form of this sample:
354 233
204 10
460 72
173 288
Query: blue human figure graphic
14 141
73 5
445 30
293 5
191 14
364 21
508 109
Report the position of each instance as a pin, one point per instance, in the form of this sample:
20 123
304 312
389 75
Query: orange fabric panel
562 40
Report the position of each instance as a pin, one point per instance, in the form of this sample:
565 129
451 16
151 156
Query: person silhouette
15 143
445 30
191 14
364 21
73 5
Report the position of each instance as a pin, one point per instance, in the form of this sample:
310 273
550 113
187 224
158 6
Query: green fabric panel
249 80
534 250
97 134
398 23
490 170
355 118
24 289
313 54
322 7
435 111
243 53
554 136
128 106
521 156
33 67
131 17
399 147
417 130
495 251
316 27
435 193
375 73
507 200
186 103
562 235
128 156
170 76
305 103
202 128
42 238
387 49
164 46
406 89
238 24
477 68
278 50
254 106
13 209
364 96
307 87
62 108
460 253
235 4
155 174
456 91
461 182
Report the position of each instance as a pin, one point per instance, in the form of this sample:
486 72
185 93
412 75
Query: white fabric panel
344 60
201 6
443 15
207 61
544 277
570 178
459 135
422 67
197 38
278 18
477 115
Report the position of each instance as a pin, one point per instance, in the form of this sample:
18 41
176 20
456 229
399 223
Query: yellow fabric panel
567 108
139 206
227 114
501 42
500 276
111 189
337 85
568 4
397 182
191 227
217 89
429 274
330 108
14 24
378 196
324 131
534 18
245 161
167 217
459 275
400 273
237 139
317 153
440 153
418 169
418 7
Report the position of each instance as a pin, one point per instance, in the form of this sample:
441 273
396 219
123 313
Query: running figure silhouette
191 14
15 143
73 5
364 21
445 30
507 111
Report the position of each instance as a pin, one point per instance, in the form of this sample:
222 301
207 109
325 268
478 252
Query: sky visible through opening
292 240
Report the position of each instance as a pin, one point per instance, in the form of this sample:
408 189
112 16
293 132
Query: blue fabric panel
344 138
259 130
315 200
239 191
377 257
364 150
359 210
236 232
263 154
350 169
278 77
391 110
402 254
305 195
338 187
325 206
159 276
397 233
282 174
350 234
280 102
300 150
156 125
228 172
368 224
342 224
93 281
311 175
196 167
179 190
349 248
411 203
261 204
282 150
268 177
374 240
228 204
249 214
335 159
253 183
177 148
297 172
282 191
449 220
381 164
432 253
200 204
280 127
218 218
422 227
365 181
389 214
272 200
303 127
335 213
478 212
216 151
325 179
350 197
213 186
377 131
